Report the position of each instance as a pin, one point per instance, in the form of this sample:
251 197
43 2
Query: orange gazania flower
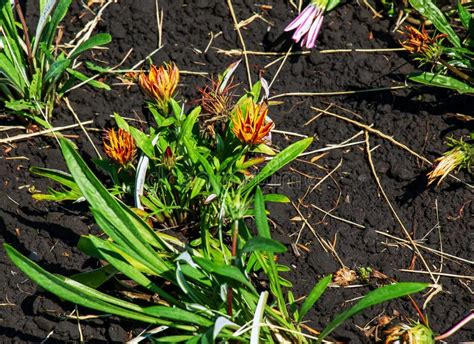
419 42
251 128
160 84
119 146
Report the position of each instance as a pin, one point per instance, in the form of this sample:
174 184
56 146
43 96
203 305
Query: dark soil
420 118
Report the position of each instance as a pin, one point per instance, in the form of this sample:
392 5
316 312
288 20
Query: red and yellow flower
160 84
119 146
252 126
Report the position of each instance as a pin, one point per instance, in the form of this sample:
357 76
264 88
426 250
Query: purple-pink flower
308 24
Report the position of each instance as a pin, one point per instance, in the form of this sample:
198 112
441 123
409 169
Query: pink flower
308 24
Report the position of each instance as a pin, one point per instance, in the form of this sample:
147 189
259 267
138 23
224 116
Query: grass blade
373 298
314 296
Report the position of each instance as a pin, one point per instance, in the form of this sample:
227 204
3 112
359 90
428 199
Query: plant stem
456 71
19 11
456 327
235 234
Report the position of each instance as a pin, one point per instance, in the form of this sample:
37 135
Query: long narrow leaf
373 298
437 80
127 232
314 296
429 10
94 41
280 160
109 252
260 215
75 292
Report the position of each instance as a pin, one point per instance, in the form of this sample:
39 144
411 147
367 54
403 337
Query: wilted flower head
160 84
409 334
457 157
119 146
419 42
217 100
252 127
308 23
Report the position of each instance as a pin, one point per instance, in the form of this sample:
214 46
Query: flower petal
314 32
301 18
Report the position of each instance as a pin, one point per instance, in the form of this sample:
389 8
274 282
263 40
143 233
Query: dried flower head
308 23
216 100
252 127
119 146
419 42
409 334
160 84
344 276
461 155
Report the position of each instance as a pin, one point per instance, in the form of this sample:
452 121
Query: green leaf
429 10
114 255
78 293
264 149
56 70
143 142
95 278
58 176
49 32
226 271
464 15
14 76
373 298
36 85
94 41
437 80
177 314
120 223
314 296
196 156
263 244
45 10
255 91
261 216
20 105
188 125
84 78
332 4
121 123
171 339
276 198
280 160
95 68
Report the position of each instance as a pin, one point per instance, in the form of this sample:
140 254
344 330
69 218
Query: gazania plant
204 288
446 54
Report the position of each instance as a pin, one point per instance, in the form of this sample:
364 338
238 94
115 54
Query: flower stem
235 234
19 11
456 327
456 71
